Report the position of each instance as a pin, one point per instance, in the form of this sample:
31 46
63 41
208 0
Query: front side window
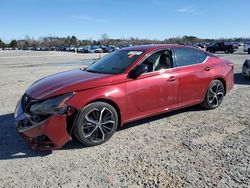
115 63
158 61
189 56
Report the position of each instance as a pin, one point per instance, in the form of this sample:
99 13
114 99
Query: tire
91 129
248 51
226 51
214 95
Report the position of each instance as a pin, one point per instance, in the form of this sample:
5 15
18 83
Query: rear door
195 74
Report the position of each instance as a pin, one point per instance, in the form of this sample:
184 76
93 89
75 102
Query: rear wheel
214 96
96 123
248 51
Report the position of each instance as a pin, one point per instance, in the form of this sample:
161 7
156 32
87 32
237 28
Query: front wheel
96 123
214 96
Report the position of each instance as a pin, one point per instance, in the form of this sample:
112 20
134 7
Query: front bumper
246 71
46 135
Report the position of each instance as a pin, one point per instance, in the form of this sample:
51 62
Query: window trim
172 50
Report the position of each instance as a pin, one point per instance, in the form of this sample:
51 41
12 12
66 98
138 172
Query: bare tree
105 39
53 41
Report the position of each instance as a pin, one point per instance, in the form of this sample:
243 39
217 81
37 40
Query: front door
154 91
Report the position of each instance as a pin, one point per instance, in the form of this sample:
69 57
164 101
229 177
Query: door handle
207 68
171 78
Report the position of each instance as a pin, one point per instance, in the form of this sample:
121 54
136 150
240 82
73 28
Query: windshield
115 63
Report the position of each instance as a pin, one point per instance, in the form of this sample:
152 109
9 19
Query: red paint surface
149 94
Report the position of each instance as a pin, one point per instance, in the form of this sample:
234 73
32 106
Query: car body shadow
77 145
161 116
12 146
239 79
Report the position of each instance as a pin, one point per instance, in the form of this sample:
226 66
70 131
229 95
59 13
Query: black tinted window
189 56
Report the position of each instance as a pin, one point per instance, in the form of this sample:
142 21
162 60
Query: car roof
154 47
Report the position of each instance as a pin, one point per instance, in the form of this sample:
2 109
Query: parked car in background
53 48
202 46
65 48
241 43
126 85
87 49
235 45
61 48
221 46
81 49
113 48
246 68
247 48
199 46
43 48
96 49
104 49
72 49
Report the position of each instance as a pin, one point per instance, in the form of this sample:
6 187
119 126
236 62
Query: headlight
56 105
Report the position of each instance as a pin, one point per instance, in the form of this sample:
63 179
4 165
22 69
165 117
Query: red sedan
126 85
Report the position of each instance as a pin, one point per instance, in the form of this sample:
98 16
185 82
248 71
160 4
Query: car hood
65 82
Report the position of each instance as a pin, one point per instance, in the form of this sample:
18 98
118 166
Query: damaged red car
126 85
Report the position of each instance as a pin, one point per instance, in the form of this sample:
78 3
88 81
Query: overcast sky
152 19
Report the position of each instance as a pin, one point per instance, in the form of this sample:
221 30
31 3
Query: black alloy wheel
214 96
96 123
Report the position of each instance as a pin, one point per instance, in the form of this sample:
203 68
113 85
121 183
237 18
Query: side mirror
139 70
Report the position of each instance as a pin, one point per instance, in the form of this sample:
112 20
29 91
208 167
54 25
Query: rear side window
189 56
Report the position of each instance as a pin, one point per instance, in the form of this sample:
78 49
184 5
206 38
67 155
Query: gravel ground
186 148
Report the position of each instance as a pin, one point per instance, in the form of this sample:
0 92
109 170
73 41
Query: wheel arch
112 103
223 82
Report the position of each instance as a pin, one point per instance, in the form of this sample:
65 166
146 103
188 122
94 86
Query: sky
150 19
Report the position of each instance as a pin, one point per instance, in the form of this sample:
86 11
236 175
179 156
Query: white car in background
246 68
94 49
247 48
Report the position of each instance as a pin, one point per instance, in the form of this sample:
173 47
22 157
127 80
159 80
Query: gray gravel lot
192 147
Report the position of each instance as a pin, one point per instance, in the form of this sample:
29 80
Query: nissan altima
125 85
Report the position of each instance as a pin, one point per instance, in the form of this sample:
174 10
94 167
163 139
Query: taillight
231 65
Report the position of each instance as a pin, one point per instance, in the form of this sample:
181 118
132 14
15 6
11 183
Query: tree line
50 41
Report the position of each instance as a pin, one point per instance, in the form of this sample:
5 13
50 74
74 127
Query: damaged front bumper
48 134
